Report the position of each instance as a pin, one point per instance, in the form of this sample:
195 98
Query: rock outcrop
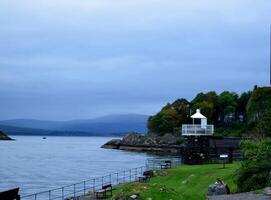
3 136
149 142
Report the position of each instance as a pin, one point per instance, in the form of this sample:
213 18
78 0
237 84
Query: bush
180 141
255 167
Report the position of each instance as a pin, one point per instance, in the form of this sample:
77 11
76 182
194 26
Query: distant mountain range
107 125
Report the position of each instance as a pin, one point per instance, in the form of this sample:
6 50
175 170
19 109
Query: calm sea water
35 164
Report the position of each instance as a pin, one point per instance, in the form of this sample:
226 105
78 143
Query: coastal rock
149 142
133 139
112 144
3 136
168 139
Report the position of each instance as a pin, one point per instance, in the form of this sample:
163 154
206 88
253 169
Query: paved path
240 196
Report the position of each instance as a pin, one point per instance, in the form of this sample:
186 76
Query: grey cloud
78 59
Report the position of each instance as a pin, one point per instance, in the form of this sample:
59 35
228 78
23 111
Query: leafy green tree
227 103
208 103
169 118
259 110
161 123
182 108
242 104
258 104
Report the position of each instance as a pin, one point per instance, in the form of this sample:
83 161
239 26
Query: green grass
183 182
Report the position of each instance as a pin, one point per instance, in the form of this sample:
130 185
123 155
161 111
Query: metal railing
88 187
190 129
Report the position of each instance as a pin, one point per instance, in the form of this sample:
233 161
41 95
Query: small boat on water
44 138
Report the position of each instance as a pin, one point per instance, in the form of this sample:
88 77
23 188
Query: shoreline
174 149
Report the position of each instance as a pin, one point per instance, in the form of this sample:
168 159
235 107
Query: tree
208 103
170 117
162 123
242 104
227 103
259 110
259 102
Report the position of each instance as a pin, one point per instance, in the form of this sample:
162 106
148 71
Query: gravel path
241 196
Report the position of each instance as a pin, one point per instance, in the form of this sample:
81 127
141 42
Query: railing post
130 175
110 179
124 176
102 181
117 178
35 196
195 129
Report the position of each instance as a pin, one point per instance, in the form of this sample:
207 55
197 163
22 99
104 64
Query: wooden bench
143 179
148 173
166 165
146 176
102 193
10 194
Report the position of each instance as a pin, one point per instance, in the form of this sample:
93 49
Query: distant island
3 136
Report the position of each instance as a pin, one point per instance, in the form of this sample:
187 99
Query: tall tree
170 117
208 103
259 110
242 104
227 103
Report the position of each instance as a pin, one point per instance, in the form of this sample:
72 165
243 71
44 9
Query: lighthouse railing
197 129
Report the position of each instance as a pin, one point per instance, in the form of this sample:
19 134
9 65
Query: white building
198 129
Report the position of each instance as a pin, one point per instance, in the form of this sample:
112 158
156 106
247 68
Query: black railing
88 187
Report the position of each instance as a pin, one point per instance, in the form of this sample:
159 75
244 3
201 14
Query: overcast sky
74 59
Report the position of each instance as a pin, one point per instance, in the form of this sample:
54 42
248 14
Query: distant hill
13 130
107 125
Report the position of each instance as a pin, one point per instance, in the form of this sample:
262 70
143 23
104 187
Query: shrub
180 141
255 167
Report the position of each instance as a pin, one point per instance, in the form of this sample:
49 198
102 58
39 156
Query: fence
74 191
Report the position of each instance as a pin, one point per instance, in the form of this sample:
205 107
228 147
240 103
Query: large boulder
217 189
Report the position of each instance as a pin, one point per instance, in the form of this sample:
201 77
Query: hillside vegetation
232 114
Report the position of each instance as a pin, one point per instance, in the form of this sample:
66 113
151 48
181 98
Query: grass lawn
183 182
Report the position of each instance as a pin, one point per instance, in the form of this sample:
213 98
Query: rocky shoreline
193 149
168 143
3 136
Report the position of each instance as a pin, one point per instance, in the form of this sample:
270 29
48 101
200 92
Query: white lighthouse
198 129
